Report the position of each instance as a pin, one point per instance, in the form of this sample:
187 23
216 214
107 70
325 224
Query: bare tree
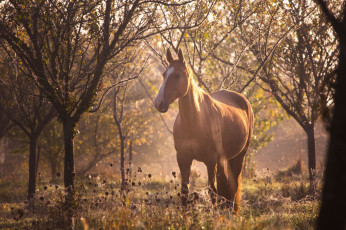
26 108
120 97
118 116
297 64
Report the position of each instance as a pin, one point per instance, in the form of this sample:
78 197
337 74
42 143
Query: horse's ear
180 56
169 56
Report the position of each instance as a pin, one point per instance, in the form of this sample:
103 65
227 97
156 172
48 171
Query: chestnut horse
215 129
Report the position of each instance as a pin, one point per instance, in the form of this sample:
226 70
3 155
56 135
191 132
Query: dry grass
269 201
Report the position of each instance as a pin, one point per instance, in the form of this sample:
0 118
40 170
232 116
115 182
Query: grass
270 201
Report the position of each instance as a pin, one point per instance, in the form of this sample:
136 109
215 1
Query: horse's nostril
161 105
158 104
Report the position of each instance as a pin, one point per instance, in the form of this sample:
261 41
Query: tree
118 116
304 68
333 209
66 46
300 68
99 142
121 116
27 108
118 75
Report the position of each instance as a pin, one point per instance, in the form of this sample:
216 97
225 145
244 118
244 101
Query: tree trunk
32 167
122 158
118 121
130 159
311 155
69 172
38 151
333 209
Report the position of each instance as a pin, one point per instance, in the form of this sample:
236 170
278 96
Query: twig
273 49
107 91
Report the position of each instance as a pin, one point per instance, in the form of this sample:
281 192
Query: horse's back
231 98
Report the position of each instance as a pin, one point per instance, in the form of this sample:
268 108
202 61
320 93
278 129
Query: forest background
78 81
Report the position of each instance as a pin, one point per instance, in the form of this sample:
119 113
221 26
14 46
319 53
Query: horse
215 129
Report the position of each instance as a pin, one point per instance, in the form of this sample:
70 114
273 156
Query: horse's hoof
184 199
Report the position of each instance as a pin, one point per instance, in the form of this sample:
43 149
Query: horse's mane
198 92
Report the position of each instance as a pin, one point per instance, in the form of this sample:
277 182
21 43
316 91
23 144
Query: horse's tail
251 120
237 197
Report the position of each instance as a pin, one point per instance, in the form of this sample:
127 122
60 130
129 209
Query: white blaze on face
169 71
160 95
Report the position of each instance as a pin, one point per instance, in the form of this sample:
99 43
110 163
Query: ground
271 200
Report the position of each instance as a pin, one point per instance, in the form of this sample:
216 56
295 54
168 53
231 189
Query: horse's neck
191 104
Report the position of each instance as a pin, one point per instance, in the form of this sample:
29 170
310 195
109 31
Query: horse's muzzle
161 106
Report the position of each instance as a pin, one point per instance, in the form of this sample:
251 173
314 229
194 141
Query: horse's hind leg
211 181
222 183
184 164
235 167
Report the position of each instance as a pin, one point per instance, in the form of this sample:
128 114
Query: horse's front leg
184 163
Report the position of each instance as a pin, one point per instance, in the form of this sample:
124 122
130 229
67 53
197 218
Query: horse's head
175 82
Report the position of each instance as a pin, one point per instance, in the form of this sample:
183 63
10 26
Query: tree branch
335 22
